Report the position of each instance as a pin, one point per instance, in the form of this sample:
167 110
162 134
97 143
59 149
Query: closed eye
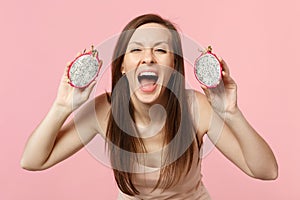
135 50
161 50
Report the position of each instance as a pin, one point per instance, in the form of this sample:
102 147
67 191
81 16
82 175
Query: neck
150 118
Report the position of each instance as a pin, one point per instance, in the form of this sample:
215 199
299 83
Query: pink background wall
259 40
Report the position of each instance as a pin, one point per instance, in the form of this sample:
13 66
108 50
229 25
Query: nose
148 57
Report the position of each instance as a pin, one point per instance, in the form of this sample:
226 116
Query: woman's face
149 62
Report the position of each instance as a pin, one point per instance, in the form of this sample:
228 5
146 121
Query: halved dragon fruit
84 69
208 69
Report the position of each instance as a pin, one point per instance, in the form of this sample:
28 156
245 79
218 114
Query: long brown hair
178 117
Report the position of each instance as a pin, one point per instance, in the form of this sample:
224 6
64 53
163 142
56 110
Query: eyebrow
157 43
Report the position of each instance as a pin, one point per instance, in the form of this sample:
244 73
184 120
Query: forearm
257 154
42 140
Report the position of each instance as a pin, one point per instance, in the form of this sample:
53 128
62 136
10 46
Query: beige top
189 187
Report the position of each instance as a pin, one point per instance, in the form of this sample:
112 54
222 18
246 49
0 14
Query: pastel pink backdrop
259 40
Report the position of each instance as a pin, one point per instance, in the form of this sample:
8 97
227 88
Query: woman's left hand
223 98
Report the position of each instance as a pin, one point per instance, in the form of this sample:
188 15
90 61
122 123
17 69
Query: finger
225 67
220 58
227 79
225 72
89 89
65 74
225 75
68 64
100 62
100 65
206 91
203 87
92 85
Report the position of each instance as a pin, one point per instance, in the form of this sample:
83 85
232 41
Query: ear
122 69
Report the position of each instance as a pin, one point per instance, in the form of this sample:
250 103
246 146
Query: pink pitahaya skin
84 69
208 69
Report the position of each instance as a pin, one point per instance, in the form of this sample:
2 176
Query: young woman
153 126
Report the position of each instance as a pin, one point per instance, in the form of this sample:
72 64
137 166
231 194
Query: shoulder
198 99
102 110
92 116
200 110
198 96
101 101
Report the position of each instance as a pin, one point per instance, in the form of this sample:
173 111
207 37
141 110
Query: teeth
148 74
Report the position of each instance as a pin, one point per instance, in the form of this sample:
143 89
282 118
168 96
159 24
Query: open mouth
148 81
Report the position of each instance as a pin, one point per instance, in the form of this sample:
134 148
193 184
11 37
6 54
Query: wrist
57 107
232 114
229 113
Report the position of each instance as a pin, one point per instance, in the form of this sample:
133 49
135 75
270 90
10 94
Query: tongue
148 85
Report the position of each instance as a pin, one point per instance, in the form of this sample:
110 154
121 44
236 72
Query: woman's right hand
69 97
52 141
